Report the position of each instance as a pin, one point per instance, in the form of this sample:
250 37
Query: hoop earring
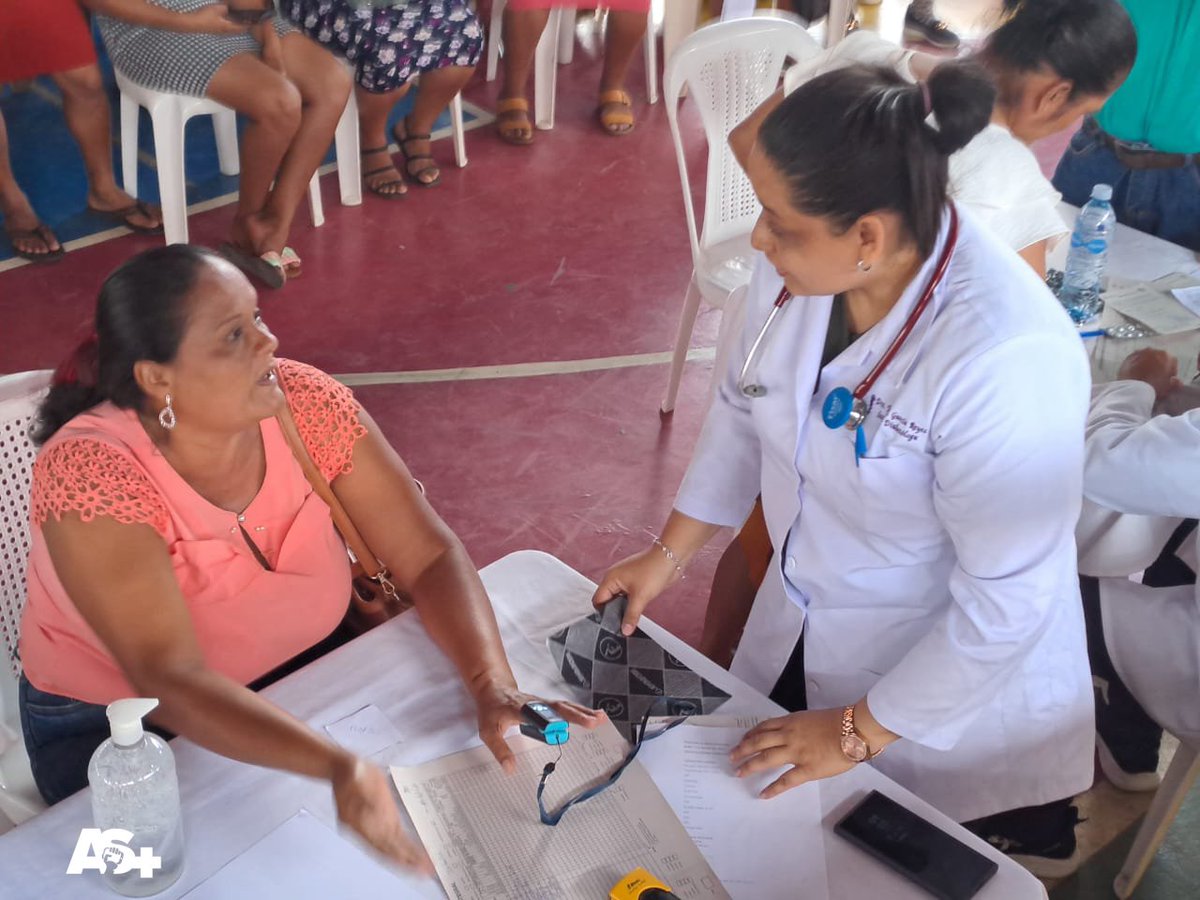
864 267
166 418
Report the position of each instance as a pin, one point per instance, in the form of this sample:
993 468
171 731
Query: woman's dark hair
141 314
860 139
1091 43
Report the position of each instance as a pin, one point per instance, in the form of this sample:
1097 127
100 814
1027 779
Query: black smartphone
920 851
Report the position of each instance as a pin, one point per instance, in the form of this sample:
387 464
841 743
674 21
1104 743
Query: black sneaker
928 28
1040 838
1127 739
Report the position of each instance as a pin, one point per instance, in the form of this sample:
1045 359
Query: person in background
390 44
930 547
1142 497
52 37
166 494
243 56
524 22
1145 142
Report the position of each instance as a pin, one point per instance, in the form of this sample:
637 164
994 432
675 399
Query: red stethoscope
844 408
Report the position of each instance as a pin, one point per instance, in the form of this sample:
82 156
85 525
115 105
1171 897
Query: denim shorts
61 734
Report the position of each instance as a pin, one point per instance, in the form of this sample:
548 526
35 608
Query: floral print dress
389 43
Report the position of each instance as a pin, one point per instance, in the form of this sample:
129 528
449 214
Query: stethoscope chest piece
843 410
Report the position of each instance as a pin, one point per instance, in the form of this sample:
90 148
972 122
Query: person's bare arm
117 574
430 564
1035 255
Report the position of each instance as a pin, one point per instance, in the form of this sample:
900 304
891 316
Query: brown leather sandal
512 121
615 113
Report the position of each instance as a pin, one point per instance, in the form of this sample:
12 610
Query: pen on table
1091 334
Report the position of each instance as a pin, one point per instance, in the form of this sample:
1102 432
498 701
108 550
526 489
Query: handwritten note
1189 297
365 732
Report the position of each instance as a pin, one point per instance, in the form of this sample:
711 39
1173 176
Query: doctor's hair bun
961 97
860 140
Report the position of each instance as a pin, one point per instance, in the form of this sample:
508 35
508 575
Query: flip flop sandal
378 188
267 268
40 232
121 216
611 119
292 267
511 128
409 159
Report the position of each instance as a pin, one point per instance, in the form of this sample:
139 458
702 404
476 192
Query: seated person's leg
524 22
626 28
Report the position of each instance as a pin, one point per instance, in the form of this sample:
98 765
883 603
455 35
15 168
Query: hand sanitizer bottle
134 788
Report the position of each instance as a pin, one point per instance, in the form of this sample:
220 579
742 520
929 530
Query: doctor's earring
864 266
166 418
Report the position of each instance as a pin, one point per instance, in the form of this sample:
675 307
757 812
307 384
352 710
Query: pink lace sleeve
94 478
326 415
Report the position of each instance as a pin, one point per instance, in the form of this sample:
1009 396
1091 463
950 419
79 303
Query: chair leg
566 36
457 131
1181 774
544 74
349 156
315 206
129 145
225 128
493 38
168 124
651 61
835 22
679 20
683 340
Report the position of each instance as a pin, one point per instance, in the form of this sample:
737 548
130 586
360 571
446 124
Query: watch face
854 747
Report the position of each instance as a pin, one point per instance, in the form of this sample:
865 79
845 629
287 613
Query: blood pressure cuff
628 675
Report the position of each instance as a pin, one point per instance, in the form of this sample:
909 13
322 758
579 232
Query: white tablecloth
1137 256
229 806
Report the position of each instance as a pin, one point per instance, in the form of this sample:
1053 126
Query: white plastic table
228 806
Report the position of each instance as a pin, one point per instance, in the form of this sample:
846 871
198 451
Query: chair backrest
729 68
19 398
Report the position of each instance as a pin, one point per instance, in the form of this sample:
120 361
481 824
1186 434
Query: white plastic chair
169 114
729 68
19 397
557 45
1181 775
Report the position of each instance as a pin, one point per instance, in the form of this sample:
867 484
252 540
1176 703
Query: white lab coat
938 577
1149 466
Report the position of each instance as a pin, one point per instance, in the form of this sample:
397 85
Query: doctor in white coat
1148 467
929 553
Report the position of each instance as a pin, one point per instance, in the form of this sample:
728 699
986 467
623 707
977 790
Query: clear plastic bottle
1087 260
134 787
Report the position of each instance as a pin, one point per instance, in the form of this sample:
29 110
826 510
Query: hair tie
80 366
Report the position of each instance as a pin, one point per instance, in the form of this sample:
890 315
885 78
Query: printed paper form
481 827
758 848
1152 304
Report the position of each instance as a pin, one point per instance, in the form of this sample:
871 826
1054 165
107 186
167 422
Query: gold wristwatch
853 746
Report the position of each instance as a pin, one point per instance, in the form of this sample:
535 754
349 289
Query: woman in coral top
165 495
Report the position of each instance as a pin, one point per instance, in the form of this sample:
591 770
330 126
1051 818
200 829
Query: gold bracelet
669 554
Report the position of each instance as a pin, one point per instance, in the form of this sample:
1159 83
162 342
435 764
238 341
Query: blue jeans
61 734
1162 202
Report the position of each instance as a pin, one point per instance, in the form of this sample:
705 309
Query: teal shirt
1160 101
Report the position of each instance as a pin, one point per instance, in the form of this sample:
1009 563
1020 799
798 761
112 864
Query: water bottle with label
134 788
1084 277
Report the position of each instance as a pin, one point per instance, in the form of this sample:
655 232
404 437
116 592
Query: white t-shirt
995 176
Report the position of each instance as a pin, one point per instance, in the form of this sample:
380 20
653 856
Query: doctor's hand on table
809 742
1157 368
645 575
